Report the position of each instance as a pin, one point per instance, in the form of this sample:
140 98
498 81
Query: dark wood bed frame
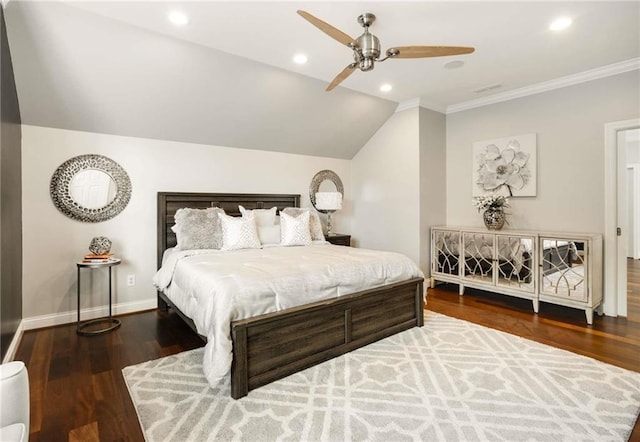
275 345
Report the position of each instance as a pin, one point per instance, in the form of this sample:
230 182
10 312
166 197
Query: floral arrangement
498 202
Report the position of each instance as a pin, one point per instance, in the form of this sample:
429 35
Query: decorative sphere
100 245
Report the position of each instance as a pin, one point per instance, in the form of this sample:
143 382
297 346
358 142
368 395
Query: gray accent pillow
315 226
198 228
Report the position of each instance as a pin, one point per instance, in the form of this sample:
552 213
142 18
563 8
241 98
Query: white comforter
215 287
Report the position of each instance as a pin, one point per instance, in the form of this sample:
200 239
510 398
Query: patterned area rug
449 380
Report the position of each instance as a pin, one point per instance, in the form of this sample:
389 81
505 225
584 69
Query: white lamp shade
328 200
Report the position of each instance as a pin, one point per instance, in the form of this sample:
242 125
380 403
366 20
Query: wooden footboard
275 345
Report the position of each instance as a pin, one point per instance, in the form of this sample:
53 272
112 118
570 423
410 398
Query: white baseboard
89 313
13 347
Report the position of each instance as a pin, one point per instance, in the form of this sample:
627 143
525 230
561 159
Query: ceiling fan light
560 24
178 18
386 87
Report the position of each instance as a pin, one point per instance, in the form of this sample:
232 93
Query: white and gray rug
449 380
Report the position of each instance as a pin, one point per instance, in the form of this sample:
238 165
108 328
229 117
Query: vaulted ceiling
227 77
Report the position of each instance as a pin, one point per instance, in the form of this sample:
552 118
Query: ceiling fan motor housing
369 47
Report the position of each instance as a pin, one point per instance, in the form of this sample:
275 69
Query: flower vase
493 219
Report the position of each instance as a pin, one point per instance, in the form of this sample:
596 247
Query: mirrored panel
478 256
563 265
446 252
90 188
515 262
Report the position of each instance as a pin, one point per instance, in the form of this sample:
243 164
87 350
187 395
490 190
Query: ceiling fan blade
342 76
332 32
427 51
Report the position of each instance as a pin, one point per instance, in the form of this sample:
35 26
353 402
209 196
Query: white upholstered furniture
559 268
14 402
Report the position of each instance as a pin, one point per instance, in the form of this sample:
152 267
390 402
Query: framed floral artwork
505 166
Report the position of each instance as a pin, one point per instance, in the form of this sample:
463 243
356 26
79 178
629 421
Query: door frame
635 174
614 302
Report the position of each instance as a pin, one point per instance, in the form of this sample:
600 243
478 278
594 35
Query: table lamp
329 202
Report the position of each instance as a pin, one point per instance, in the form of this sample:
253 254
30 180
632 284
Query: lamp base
329 225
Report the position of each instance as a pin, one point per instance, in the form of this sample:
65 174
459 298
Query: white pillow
294 230
264 217
239 233
269 234
198 228
315 226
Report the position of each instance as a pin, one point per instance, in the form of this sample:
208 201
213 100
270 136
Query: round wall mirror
325 181
90 188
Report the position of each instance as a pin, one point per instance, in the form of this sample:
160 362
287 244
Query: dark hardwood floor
78 392
76 384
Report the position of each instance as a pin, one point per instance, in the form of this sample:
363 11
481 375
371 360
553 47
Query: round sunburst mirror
90 188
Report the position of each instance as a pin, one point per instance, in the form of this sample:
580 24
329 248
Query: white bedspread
215 287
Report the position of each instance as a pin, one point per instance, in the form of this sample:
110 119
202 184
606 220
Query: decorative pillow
315 226
198 228
239 233
294 230
264 217
269 235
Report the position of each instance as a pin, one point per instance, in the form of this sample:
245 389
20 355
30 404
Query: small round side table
112 323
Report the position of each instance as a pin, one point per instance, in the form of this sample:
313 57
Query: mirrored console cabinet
559 268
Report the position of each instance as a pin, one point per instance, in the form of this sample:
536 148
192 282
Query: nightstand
110 322
339 239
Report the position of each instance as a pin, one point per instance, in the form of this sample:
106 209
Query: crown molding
408 104
433 107
581 77
417 102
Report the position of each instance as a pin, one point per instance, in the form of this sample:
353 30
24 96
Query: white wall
52 243
433 203
386 187
569 123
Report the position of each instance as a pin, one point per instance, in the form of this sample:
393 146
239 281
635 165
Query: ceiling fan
366 48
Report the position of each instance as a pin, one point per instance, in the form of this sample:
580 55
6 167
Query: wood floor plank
38 362
85 433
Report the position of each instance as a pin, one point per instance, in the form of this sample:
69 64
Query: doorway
616 215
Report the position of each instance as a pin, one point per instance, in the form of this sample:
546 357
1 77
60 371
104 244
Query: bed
274 345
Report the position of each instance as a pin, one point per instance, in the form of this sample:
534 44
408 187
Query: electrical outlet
131 280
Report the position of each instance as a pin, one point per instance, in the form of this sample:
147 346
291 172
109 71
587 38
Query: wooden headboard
170 202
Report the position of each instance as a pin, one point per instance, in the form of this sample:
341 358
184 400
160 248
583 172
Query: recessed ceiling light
178 18
560 24
300 59
386 87
455 64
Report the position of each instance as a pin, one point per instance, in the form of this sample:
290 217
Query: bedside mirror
324 181
90 188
